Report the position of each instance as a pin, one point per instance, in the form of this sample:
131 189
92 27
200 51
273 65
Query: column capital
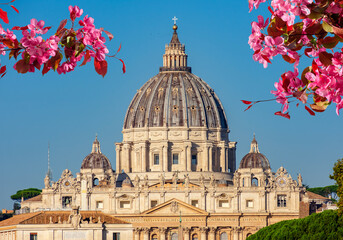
146 230
204 229
162 230
186 230
213 229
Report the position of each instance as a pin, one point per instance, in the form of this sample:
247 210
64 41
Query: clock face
281 182
67 183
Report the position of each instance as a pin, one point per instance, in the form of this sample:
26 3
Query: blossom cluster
61 51
299 28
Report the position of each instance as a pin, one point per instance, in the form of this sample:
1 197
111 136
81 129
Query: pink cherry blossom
75 12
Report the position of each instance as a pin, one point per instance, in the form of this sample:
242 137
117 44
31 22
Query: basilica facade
176 175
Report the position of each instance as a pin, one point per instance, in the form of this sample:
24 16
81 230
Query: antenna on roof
49 172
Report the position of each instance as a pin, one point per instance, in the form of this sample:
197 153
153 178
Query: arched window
254 182
249 234
95 182
243 182
195 236
223 236
154 237
174 236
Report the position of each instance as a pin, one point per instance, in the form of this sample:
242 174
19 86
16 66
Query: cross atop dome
175 19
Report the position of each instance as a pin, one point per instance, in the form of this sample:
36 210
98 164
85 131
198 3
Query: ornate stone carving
204 229
300 180
162 180
47 181
201 180
75 217
136 181
212 181
175 178
174 207
186 181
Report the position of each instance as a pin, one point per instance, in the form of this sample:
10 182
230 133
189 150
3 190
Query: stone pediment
173 208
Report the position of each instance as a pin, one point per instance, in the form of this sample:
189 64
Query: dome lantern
175 58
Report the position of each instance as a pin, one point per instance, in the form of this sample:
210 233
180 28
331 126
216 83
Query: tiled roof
37 198
18 219
59 217
312 195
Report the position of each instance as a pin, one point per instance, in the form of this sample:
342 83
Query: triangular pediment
173 207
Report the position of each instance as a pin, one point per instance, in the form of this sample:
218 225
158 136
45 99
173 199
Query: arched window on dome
95 182
223 236
195 236
254 182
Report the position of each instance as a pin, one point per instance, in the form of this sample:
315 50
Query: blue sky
68 110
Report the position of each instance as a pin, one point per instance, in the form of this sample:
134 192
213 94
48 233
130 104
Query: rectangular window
153 203
195 203
281 201
66 202
250 204
194 159
33 236
116 236
175 158
156 159
99 204
223 203
125 204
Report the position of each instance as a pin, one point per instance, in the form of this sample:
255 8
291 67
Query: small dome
254 159
96 159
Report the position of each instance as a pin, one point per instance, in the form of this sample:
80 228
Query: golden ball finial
174 27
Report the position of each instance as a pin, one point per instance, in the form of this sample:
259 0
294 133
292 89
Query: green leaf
327 27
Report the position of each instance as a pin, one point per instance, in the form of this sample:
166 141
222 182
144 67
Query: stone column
206 158
136 233
236 231
210 160
203 232
186 232
188 158
146 233
222 157
143 158
118 165
165 158
126 164
163 232
212 234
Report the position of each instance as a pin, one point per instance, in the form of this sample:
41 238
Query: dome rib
152 94
200 112
184 102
